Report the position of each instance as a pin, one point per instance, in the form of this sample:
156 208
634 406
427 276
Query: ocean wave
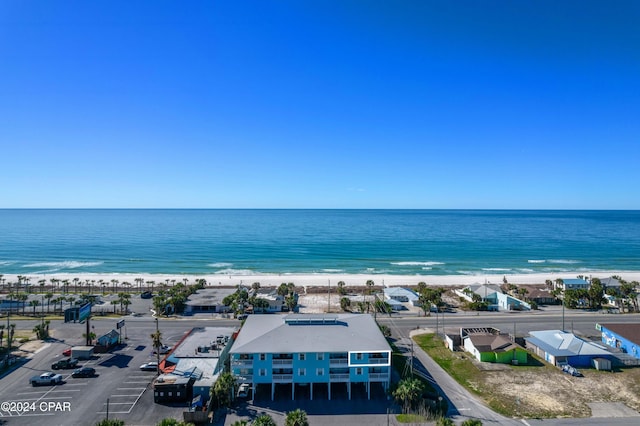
230 271
426 268
6 262
220 265
564 261
332 271
497 269
536 261
68 264
409 263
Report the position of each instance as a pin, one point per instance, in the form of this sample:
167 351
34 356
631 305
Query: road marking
66 390
51 397
138 388
76 384
525 422
118 403
125 395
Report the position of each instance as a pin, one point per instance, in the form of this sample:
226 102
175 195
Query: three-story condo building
331 351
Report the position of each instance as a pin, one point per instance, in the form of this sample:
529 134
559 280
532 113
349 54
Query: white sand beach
309 280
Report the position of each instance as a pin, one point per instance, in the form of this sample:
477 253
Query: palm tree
34 303
48 296
222 389
408 392
255 287
22 297
296 417
341 289
264 420
345 303
291 302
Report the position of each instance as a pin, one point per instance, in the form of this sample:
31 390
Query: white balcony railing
338 361
378 360
244 362
280 378
339 377
376 377
282 362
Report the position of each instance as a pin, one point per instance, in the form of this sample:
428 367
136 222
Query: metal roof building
326 350
560 348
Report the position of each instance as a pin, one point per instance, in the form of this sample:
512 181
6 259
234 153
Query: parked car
48 378
67 352
571 370
149 366
164 349
242 317
243 391
84 372
65 363
146 295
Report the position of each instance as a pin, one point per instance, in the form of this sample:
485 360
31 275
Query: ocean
246 242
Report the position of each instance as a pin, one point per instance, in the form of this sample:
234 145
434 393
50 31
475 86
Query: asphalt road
84 401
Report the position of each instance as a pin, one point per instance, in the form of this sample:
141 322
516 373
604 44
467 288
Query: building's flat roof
309 333
630 332
202 337
209 296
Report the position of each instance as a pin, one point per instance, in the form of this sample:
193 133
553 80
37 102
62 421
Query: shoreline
318 280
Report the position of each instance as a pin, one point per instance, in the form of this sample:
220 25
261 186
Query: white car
164 349
149 366
48 378
243 391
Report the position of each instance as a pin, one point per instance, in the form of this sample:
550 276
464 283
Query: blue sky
320 104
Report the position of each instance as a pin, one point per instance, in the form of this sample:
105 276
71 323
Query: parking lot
119 388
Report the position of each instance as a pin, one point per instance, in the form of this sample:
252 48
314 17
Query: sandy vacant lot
548 392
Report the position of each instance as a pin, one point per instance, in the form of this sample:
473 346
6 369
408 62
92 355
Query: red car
67 352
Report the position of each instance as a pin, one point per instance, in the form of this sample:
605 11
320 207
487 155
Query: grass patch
456 364
459 365
411 418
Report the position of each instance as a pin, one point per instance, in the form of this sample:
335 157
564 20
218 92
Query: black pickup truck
65 363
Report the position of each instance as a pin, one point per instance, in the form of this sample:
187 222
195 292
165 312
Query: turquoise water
426 242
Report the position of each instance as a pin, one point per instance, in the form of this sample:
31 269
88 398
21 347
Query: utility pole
157 348
8 318
563 297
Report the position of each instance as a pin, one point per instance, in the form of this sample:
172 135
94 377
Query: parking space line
118 403
136 388
123 395
50 397
66 390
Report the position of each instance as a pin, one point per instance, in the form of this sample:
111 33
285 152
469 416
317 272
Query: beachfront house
623 337
208 300
487 293
401 294
336 354
489 345
562 348
572 284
